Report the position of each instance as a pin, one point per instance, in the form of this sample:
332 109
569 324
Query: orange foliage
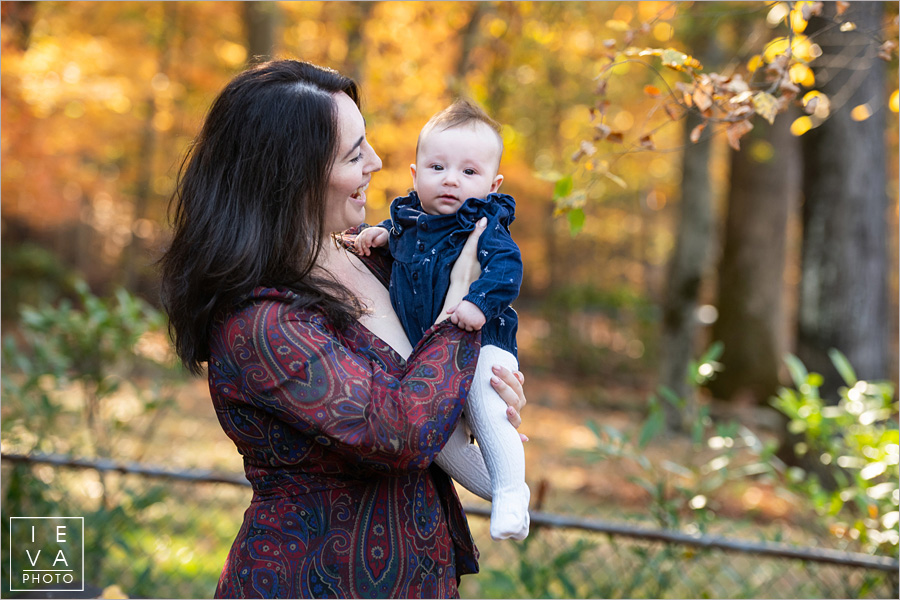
101 100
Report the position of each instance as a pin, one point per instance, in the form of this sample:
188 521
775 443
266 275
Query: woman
337 417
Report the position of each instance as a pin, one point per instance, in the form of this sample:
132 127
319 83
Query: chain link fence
154 532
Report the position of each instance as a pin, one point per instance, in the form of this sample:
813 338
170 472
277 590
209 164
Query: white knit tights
500 447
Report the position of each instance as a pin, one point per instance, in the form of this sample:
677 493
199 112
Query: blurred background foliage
668 240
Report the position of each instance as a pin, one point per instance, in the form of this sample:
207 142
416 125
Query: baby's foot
509 515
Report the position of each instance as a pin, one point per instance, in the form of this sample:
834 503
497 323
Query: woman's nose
374 161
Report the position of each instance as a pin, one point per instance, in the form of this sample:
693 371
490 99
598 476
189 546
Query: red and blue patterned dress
338 434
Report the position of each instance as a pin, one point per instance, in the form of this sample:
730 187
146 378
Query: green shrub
856 440
82 380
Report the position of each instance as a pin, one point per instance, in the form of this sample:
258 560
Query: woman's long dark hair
249 206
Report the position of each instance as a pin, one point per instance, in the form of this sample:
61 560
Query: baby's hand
466 315
371 237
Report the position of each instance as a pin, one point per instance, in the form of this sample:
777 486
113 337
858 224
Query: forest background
688 176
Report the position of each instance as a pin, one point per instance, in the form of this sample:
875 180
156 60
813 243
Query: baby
455 180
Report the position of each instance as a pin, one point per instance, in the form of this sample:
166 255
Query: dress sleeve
501 273
297 367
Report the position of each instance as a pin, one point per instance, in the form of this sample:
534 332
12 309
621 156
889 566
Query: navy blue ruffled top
424 248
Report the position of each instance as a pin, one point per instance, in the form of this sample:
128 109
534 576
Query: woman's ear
496 183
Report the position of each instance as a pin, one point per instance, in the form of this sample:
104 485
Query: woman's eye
357 158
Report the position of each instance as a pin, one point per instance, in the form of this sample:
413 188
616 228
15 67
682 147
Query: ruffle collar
503 206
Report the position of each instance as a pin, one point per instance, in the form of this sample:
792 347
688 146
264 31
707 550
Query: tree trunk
355 20
19 17
843 290
468 37
685 272
259 21
131 260
764 186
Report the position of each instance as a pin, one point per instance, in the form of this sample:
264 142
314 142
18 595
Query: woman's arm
297 368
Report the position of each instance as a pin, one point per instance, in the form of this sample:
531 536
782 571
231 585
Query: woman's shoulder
268 305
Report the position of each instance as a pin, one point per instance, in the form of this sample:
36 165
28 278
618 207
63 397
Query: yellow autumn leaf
663 32
802 75
755 62
798 23
817 104
775 48
801 125
894 102
766 106
778 12
617 25
861 112
804 49
675 59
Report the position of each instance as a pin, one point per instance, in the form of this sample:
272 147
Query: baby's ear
412 171
496 183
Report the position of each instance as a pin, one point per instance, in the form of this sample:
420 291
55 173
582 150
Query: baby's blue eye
437 167
469 171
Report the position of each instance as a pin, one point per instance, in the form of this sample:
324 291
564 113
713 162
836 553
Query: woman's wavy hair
248 208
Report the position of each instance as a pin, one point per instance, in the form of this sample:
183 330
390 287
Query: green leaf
563 187
713 353
673 58
670 396
576 221
652 426
797 369
843 366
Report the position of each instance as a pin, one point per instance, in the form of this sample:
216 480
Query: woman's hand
509 385
465 271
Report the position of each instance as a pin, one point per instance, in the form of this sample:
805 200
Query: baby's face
454 165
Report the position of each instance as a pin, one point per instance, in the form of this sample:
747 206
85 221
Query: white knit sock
501 447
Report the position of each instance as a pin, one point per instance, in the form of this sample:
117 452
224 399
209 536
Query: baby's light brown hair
461 112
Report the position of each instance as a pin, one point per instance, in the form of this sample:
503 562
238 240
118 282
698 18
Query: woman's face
352 170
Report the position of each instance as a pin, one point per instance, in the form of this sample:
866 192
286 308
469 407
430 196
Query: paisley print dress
338 434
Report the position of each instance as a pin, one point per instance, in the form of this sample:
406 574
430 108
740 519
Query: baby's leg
501 447
463 462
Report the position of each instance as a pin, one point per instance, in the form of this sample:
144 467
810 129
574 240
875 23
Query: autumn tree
260 19
843 293
763 191
690 259
731 102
